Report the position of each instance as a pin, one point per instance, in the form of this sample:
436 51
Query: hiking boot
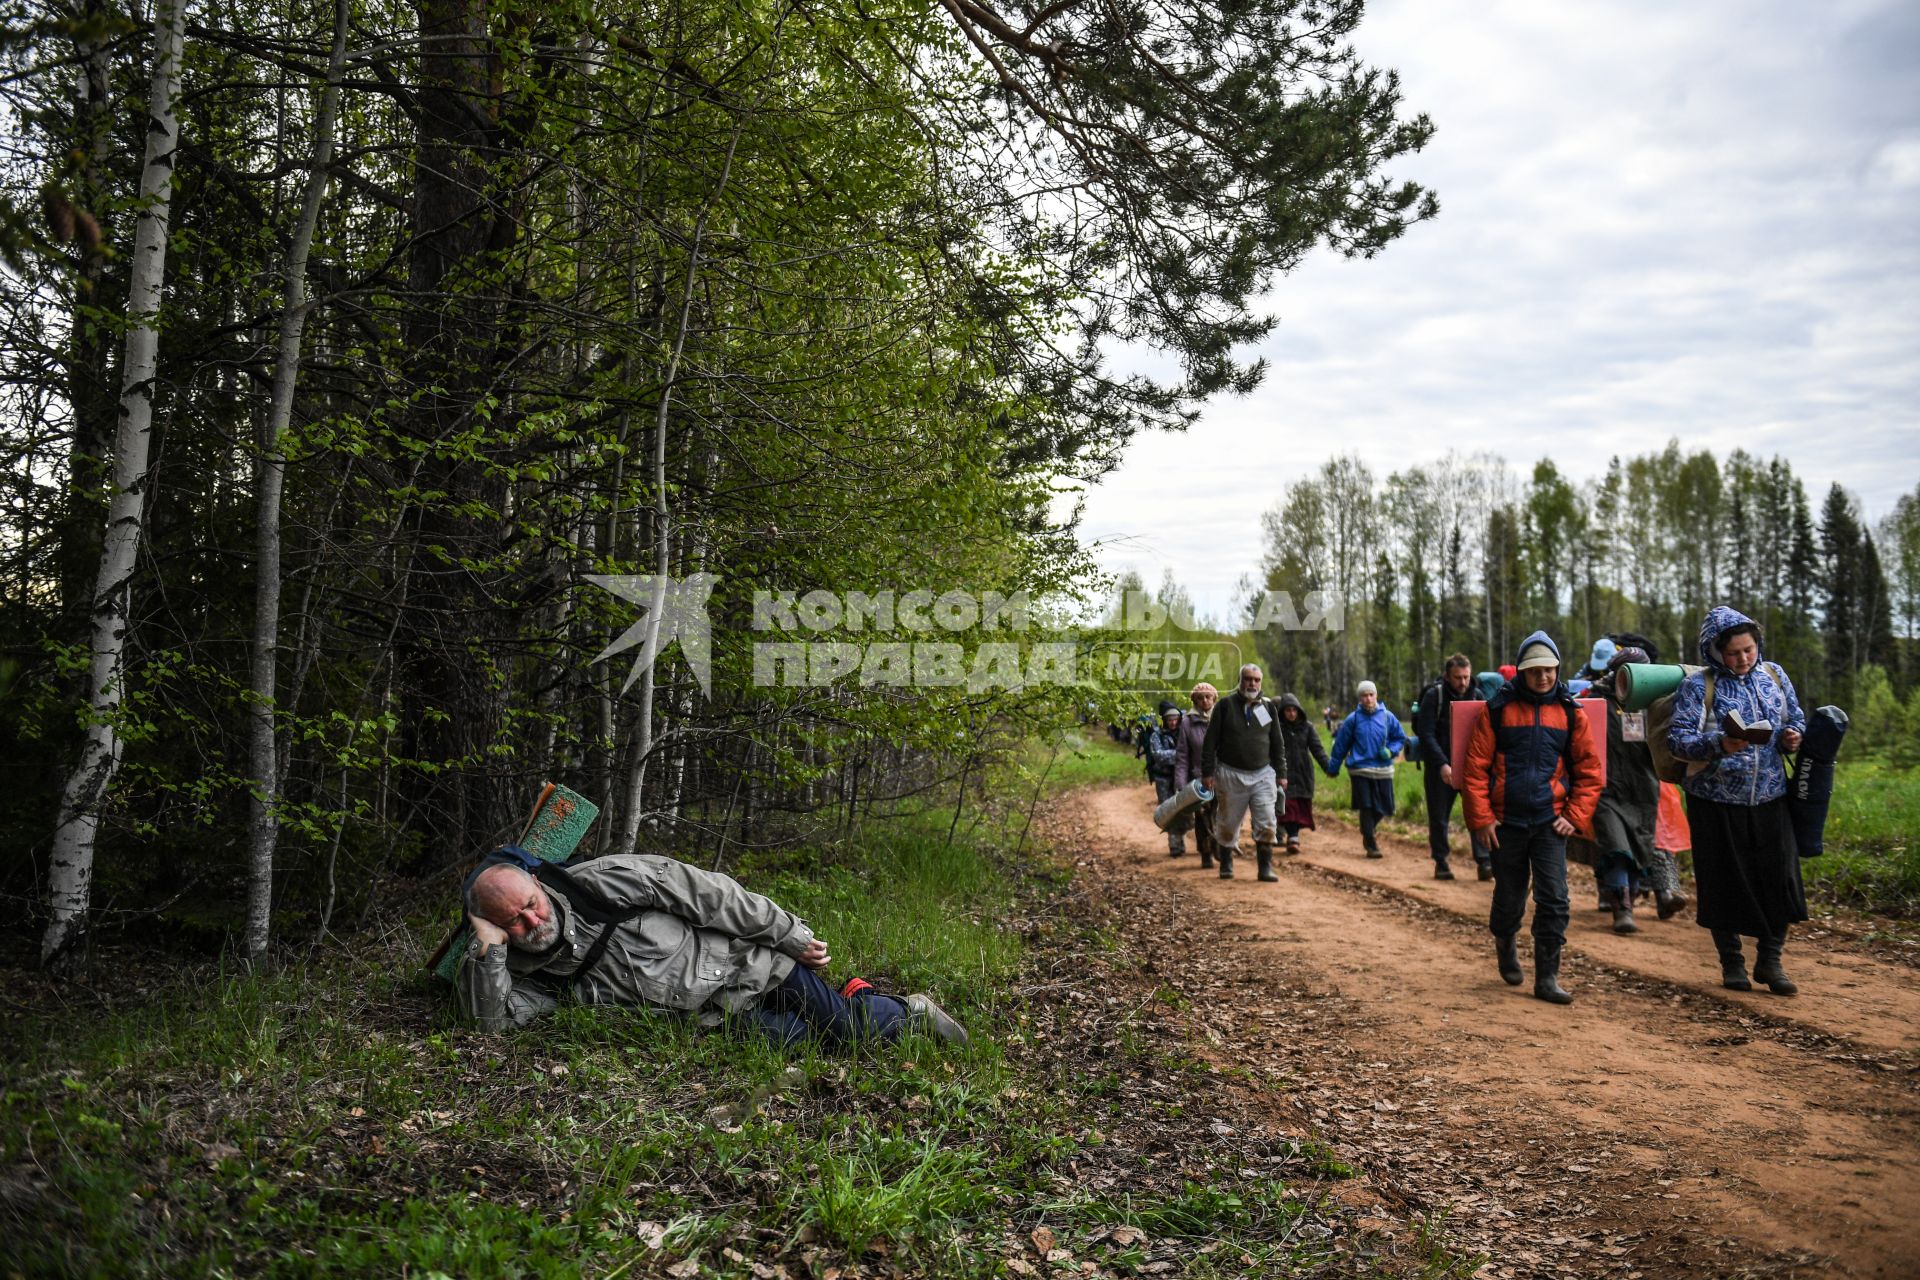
1226 864
1263 858
1546 974
1373 850
1670 904
1441 871
1483 871
1733 971
1509 958
930 1019
1623 918
1766 968
1293 846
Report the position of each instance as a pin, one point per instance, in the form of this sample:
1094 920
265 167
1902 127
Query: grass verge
331 1119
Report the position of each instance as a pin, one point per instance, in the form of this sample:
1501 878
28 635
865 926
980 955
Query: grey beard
543 937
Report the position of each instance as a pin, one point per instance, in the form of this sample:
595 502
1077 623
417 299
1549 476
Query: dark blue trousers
1535 853
803 1007
1440 798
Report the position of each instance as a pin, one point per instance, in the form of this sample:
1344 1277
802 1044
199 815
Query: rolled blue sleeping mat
1810 789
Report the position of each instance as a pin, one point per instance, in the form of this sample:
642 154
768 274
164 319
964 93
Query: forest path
1660 1125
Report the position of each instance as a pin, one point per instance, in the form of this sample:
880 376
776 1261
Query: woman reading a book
1737 720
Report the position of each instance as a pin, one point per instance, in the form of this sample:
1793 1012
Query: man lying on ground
647 931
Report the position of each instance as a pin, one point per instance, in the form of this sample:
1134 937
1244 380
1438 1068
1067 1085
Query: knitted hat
1366 686
1625 654
1538 655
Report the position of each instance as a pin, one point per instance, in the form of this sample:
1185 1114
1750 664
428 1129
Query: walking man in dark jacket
1186 766
1432 723
1162 749
1244 760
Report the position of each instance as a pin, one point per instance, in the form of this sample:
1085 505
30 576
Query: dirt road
1658 1126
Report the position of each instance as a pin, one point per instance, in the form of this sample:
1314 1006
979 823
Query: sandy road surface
1723 1133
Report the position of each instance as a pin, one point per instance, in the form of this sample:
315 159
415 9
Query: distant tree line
1463 555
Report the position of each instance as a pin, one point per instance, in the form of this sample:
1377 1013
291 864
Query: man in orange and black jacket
1532 779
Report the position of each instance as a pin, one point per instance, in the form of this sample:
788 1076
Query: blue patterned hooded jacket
1749 777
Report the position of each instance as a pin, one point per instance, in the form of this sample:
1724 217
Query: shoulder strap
593 907
1778 680
1706 702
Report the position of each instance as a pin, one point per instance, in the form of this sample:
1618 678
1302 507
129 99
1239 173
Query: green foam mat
556 829
1644 683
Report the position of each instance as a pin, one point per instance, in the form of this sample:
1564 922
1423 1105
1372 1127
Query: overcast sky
1657 220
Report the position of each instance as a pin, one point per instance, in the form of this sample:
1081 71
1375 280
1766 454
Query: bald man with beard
648 931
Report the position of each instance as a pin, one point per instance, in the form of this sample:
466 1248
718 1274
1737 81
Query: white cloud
1699 221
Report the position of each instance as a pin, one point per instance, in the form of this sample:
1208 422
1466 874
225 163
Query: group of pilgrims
1538 782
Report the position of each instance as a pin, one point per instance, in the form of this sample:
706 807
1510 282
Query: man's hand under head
489 933
814 956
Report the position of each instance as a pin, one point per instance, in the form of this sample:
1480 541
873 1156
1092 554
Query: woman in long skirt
1745 863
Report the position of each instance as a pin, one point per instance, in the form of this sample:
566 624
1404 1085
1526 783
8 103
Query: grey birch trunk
263 741
70 871
662 522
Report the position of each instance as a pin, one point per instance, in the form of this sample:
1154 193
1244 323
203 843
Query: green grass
332 1120
1873 840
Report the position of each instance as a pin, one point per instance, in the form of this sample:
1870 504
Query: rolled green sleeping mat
1641 684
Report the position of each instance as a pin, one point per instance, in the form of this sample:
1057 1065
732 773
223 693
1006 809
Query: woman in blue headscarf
1744 857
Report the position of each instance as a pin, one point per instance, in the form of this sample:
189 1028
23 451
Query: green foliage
1877 721
1872 858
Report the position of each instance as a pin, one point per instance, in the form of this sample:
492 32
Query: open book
1760 732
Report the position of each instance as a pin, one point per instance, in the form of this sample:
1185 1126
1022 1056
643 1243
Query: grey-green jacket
703 945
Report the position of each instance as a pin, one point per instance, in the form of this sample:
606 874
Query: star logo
672 609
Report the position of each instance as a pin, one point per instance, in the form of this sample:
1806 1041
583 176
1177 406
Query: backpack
1424 721
589 904
1670 767
1160 758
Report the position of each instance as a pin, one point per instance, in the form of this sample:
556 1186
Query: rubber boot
1203 840
1733 967
1441 871
1623 916
1766 967
1509 958
1670 904
1546 973
1226 863
1483 871
1263 858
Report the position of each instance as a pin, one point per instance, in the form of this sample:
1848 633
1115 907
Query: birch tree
263 827
70 872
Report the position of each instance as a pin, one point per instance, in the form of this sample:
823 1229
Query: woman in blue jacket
1744 857
1367 741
